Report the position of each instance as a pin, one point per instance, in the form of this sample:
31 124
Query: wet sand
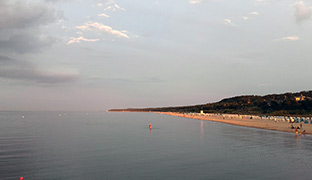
255 122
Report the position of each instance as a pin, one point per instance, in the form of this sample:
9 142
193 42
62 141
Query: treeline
288 104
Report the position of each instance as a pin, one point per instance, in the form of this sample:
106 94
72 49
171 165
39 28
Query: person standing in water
150 126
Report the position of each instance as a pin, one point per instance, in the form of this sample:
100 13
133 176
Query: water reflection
252 137
201 131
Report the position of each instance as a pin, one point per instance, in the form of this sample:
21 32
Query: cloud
229 22
288 38
60 15
103 15
27 42
302 12
4 59
79 39
56 1
258 2
20 14
101 27
254 13
129 80
21 23
244 17
26 71
195 1
113 6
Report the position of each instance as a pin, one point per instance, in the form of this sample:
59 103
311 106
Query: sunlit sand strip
271 123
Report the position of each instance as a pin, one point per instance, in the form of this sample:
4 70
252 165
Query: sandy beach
245 120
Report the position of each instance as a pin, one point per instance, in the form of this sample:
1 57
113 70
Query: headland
288 112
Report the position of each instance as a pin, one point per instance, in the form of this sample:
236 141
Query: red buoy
21 178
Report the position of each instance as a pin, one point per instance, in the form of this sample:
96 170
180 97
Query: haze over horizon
76 55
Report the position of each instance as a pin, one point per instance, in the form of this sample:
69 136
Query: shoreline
244 120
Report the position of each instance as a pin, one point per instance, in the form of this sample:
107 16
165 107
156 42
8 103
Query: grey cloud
60 15
128 80
302 12
27 71
27 42
20 14
55 1
21 23
4 59
36 76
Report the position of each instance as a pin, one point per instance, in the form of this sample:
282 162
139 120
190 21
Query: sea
120 146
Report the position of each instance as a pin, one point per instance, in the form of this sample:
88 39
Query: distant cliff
286 104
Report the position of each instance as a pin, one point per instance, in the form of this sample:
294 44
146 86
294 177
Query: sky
77 55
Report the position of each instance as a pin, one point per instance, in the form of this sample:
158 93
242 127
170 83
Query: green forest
287 104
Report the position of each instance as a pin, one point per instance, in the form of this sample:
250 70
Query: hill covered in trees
287 104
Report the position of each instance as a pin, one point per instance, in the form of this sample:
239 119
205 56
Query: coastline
244 120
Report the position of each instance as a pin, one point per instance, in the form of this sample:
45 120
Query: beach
248 121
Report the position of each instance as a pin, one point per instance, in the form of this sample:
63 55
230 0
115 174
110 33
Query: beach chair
289 119
296 120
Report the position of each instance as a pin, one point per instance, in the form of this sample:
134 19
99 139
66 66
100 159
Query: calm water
81 146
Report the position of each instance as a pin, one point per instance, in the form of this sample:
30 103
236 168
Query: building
300 98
